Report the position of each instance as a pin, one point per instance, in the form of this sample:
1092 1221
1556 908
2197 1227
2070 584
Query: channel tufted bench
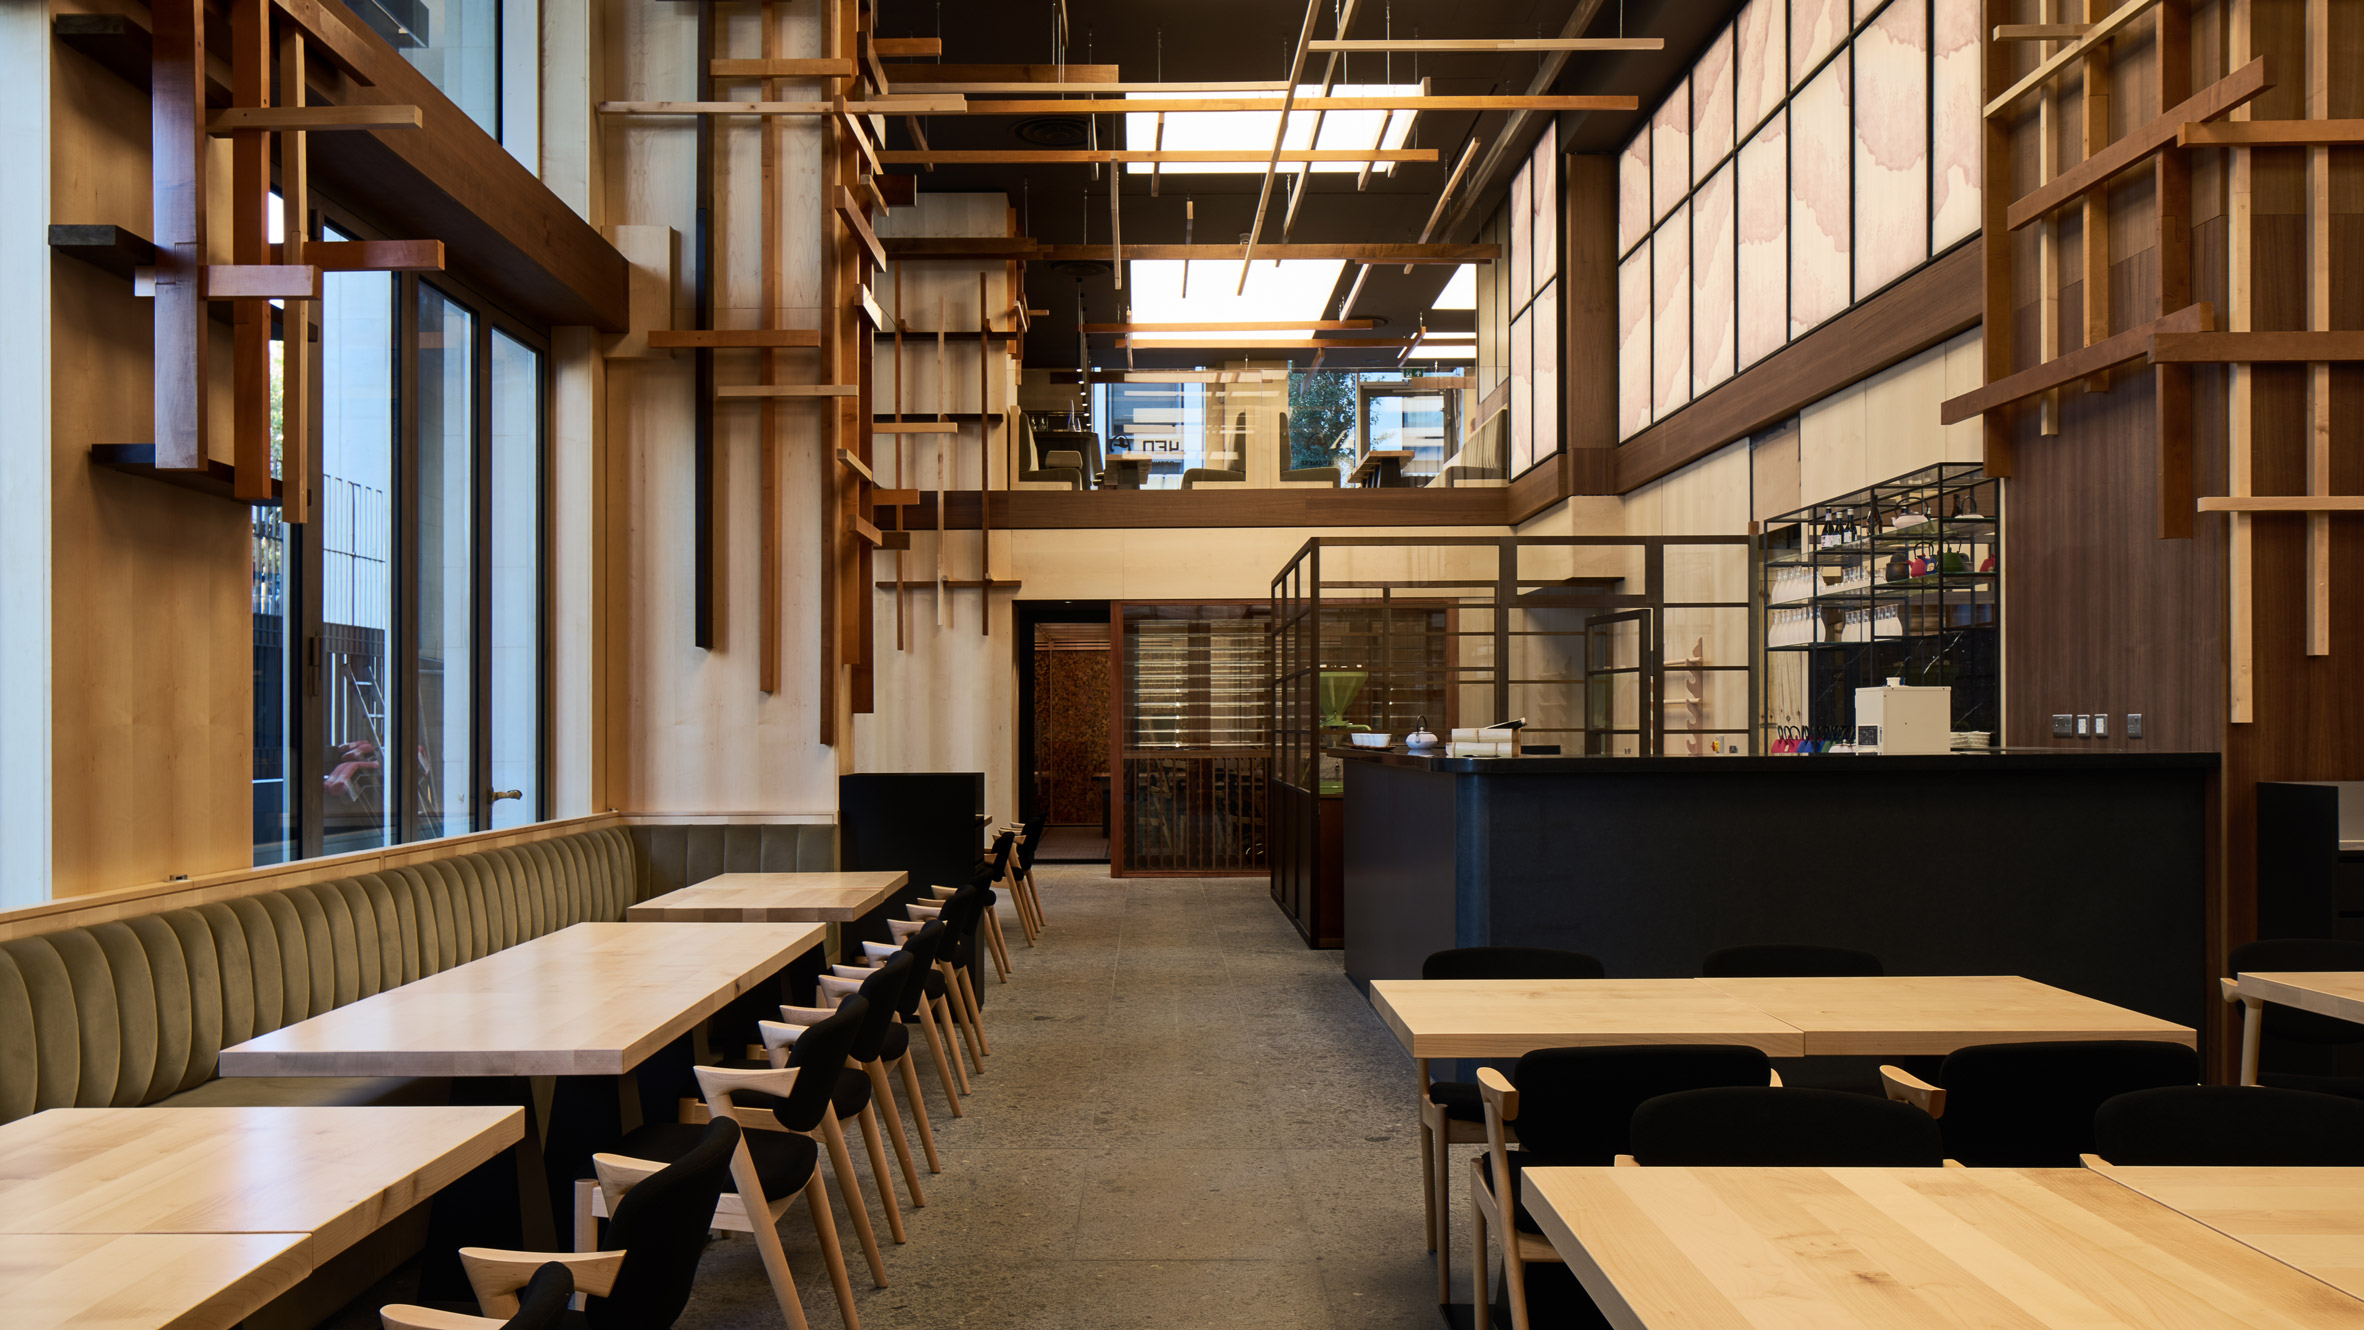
136 1011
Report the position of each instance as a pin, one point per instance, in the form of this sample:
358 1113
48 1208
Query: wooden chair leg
849 1190
1514 1266
766 1232
816 1199
867 1122
958 1015
1034 898
994 947
1025 911
586 1226
1440 1196
882 1096
1428 1178
968 998
919 1110
1480 1259
935 1038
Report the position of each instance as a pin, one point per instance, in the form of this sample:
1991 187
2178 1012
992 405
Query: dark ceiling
1253 39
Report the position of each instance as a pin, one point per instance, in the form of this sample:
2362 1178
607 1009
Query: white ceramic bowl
1371 740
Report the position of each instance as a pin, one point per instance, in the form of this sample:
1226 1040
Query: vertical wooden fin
298 405
177 114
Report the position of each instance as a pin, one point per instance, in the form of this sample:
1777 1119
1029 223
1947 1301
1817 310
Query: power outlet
2133 724
2064 727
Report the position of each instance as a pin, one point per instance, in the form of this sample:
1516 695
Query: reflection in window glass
444 798
516 591
275 820
356 514
455 43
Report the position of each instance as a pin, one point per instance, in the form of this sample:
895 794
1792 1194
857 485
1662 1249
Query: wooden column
2241 543
2171 181
177 183
250 203
767 444
1994 241
2318 391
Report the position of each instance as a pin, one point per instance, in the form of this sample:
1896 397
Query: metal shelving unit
1900 580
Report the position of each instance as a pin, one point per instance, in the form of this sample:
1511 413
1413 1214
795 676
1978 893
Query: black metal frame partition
302 670
1303 599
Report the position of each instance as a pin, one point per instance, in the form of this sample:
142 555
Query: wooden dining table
2310 1218
2335 993
819 898
132 1218
1906 1248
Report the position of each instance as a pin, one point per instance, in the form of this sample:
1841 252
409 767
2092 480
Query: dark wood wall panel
1070 732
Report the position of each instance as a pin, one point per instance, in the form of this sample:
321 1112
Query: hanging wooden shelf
139 459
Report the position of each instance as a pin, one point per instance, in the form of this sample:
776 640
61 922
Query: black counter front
2084 871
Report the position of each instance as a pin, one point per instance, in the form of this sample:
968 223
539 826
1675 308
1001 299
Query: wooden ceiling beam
1019 74
1351 253
1314 140
1280 134
1027 89
1280 325
1489 45
1169 156
1406 102
875 106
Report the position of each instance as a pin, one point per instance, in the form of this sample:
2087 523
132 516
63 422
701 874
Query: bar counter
2086 871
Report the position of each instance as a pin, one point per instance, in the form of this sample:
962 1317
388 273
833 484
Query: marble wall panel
1670 313
1761 269
1761 61
1891 145
1713 344
1820 199
1816 28
1670 151
1956 132
1711 106
1633 342
1633 192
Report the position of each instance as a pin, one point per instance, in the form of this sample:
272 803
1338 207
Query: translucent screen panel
1819 224
1956 133
1712 335
456 44
1543 169
1711 106
1633 192
1633 342
1762 271
1522 392
1670 314
1816 27
1761 62
1670 151
1522 234
1891 146
1545 319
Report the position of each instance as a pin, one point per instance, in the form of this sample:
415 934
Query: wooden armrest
921 913
1497 1091
694 1111
497 1275
1776 1077
801 1017
1905 1087
402 1316
2230 991
2093 1161
1626 1161
1954 1163
875 952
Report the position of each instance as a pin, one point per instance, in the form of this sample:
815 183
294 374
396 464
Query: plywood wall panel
1891 106
1821 214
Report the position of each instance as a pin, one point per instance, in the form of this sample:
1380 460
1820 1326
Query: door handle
498 795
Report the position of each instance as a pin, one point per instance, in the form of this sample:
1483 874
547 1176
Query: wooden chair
1021 876
640 1278
2239 1126
543 1307
961 913
995 867
882 990
928 1002
1450 1113
1758 1126
897 983
2032 1105
810 1106
1573 1106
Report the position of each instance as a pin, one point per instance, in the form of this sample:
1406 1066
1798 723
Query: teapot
1421 737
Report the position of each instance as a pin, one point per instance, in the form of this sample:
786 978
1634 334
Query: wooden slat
1025 75
907 48
781 69
2223 348
1281 343
1277 325
1484 45
2214 100
893 498
914 427
875 106
2132 344
371 255
300 379
2040 32
854 525
729 338
736 390
2066 55
177 190
850 208
1169 156
249 208
261 281
314 119
847 458
2284 503
1280 133
988 88
1366 253
1267 105
771 502
2270 133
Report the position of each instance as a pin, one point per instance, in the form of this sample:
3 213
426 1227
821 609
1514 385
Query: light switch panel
2101 725
2084 726
2133 724
2064 727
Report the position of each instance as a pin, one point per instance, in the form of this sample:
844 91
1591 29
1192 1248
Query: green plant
1321 411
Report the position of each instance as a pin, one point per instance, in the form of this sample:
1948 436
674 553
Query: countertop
1996 760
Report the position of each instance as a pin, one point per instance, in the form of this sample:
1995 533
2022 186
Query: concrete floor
1188 1120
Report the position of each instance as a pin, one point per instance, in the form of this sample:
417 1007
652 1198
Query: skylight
1460 292
1251 131
1292 289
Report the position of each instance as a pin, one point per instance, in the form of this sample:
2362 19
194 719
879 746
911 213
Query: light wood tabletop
145 1281
1908 1249
335 1174
2312 1218
590 1000
1488 1018
1897 1015
2337 993
833 898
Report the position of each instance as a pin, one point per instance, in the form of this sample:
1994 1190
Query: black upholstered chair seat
1459 1099
2350 1087
784 1161
894 1043
1758 1126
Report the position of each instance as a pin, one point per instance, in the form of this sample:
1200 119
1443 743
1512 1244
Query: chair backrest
1031 841
1576 1104
882 992
661 1226
1775 960
2250 1126
542 1303
2032 1105
923 947
1510 963
998 858
824 1046
2301 955
1760 1126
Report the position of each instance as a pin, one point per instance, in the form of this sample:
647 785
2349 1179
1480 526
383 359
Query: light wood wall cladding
2212 636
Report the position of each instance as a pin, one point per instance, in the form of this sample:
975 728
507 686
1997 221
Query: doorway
1063 712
